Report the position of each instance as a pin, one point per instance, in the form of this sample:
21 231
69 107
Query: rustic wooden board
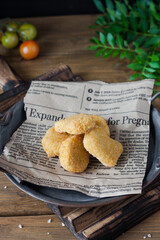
61 39
112 220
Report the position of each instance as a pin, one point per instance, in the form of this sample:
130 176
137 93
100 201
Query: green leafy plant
130 31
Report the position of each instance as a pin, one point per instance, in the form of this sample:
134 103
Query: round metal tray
74 198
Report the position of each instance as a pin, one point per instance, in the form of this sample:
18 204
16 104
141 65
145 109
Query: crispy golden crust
72 155
100 122
101 146
52 140
77 124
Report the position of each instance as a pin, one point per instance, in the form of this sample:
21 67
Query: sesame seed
5 187
63 224
20 226
48 233
144 237
49 220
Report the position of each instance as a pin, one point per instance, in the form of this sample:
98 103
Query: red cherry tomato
29 49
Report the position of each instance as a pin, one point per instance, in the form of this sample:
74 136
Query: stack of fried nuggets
74 138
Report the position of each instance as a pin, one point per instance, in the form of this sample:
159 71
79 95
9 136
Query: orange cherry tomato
29 49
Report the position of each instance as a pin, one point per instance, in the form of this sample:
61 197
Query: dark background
36 8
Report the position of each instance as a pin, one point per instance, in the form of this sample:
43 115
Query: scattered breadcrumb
5 187
144 237
49 220
20 226
63 224
48 233
149 235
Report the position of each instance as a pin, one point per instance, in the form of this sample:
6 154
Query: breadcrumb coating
101 146
52 141
72 155
100 122
77 124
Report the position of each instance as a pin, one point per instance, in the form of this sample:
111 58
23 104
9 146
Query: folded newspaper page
125 106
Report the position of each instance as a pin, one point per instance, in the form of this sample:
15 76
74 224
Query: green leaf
157 84
125 43
108 53
135 76
110 39
113 14
119 41
153 26
135 66
122 9
109 4
133 22
129 55
154 65
115 53
130 37
140 40
125 22
94 47
102 20
154 30
99 5
128 4
117 29
151 41
122 55
154 58
151 70
95 40
100 52
149 75
102 38
135 44
144 25
153 11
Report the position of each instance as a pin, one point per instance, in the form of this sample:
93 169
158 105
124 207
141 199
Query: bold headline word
43 116
127 120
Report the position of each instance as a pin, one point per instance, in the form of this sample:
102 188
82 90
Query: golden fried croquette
77 124
52 140
72 154
100 122
101 146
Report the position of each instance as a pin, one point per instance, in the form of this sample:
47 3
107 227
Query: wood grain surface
61 39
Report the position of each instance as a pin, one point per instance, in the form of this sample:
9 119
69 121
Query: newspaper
125 106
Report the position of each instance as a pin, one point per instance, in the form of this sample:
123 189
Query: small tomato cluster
26 33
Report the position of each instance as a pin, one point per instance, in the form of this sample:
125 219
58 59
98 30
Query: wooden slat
33 228
14 202
82 217
148 226
66 210
87 66
122 218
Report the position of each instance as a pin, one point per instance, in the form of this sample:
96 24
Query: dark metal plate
75 198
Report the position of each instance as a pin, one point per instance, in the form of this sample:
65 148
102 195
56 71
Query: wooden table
61 39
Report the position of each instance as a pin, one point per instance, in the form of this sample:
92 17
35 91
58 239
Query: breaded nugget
72 154
77 124
101 122
101 146
52 140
